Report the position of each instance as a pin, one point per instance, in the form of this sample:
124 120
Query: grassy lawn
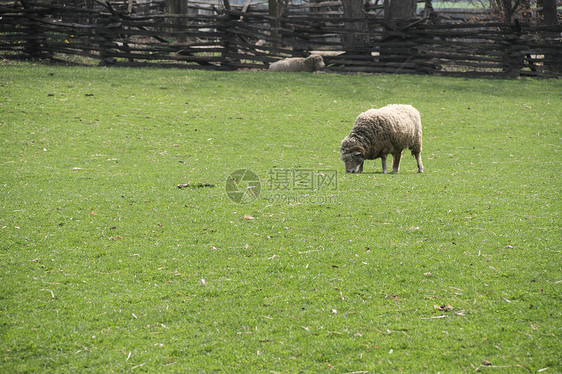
107 266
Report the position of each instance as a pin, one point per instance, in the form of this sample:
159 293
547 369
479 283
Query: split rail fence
227 37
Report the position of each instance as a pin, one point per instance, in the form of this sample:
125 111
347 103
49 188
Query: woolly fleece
297 64
379 132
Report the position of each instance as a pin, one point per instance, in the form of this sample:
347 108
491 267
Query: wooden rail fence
247 37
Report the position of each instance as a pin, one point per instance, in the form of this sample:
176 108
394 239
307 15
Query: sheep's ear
358 153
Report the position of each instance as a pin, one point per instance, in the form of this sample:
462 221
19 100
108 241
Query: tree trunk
394 48
549 13
400 10
549 16
355 35
274 23
178 7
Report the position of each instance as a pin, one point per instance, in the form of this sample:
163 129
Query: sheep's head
353 158
314 63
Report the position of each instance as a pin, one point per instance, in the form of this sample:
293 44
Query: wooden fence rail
212 37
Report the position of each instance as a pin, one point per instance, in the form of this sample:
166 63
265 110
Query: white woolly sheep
296 64
379 132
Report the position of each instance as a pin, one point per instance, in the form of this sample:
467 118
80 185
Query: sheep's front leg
383 160
360 170
396 162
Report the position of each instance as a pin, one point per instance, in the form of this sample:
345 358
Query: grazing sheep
379 132
295 64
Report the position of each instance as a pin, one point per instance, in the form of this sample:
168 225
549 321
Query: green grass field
107 266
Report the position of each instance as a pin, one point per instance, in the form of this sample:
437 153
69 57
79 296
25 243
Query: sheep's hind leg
396 162
383 160
419 161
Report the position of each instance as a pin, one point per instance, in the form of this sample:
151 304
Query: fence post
34 37
228 38
105 23
552 55
513 50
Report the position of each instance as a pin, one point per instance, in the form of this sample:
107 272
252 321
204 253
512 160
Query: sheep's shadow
379 173
369 173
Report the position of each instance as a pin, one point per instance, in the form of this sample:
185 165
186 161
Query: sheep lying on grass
296 64
379 132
